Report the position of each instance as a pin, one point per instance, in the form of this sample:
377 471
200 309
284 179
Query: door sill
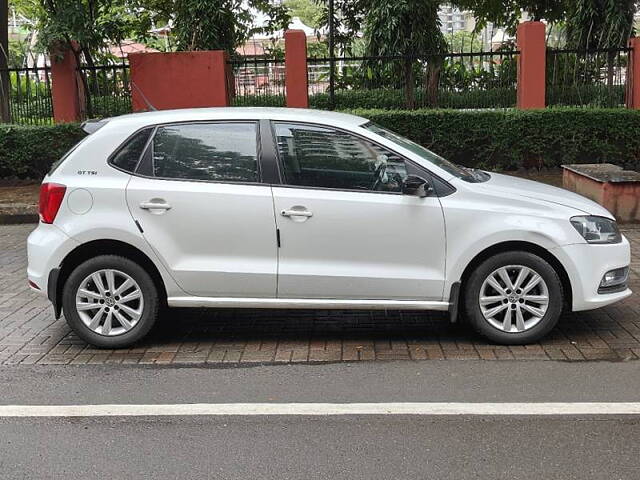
319 303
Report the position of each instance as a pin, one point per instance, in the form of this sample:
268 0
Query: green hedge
390 99
491 139
29 151
512 139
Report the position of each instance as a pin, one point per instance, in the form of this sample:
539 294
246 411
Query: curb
18 218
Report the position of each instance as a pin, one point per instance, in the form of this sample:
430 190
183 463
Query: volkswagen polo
291 208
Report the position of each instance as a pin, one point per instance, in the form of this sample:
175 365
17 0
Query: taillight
51 195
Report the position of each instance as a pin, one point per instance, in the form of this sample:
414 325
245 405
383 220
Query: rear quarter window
128 155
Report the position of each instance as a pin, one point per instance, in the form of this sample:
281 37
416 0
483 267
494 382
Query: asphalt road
309 447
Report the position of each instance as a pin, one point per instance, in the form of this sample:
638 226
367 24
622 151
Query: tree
308 11
600 23
223 24
407 28
508 13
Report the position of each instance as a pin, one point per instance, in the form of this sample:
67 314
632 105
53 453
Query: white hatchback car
284 208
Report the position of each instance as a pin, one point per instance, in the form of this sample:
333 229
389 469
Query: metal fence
454 80
258 82
29 95
107 90
587 78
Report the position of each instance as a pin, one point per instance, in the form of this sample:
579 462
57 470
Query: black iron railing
29 95
107 90
587 78
258 81
453 80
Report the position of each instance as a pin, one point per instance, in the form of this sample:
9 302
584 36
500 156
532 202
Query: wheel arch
522 246
106 247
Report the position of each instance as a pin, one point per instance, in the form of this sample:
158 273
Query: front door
203 210
346 230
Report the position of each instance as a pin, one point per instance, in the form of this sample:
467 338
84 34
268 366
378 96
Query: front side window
327 158
129 154
223 152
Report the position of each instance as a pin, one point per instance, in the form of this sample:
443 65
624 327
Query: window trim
422 171
148 150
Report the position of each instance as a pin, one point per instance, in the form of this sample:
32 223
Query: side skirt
320 303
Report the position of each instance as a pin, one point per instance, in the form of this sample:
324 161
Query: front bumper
586 264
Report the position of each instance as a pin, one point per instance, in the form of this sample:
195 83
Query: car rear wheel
110 301
513 298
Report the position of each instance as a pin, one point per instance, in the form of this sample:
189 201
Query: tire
133 311
529 317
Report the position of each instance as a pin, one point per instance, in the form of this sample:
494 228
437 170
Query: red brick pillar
531 65
179 80
295 59
65 91
633 74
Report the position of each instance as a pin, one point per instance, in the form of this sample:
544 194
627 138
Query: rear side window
129 154
222 152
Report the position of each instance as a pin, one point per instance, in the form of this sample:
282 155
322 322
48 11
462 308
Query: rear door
199 200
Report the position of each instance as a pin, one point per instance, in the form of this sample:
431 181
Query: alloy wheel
109 302
514 298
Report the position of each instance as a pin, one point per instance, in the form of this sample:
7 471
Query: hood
519 187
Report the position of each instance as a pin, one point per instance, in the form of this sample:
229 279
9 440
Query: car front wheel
514 298
110 301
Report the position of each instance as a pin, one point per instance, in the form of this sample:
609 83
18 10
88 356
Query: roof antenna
146 100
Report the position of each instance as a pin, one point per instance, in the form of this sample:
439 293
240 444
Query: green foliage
509 13
17 53
512 139
308 11
599 23
29 151
92 24
463 42
223 24
394 99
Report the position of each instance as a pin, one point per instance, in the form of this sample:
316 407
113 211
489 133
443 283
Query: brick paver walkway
29 334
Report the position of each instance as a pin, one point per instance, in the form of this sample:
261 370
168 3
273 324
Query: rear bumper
47 246
586 265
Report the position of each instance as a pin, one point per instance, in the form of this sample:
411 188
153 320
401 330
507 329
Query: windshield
449 167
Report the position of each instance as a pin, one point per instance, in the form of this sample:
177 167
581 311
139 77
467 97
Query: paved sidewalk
30 335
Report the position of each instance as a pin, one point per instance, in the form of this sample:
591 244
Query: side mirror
416 186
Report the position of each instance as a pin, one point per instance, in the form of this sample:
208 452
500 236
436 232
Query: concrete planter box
612 187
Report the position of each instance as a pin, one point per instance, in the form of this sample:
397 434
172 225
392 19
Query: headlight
597 229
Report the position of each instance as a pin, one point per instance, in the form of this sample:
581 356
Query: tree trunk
432 80
409 85
611 57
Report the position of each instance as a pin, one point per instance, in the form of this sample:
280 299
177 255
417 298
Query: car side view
291 208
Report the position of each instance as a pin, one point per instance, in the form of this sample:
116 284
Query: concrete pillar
532 65
633 74
65 91
295 58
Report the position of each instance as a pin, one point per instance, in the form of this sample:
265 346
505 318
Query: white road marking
321 409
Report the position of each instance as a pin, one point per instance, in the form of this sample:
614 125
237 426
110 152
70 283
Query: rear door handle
296 213
155 206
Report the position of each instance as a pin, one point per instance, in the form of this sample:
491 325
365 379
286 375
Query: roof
127 47
138 120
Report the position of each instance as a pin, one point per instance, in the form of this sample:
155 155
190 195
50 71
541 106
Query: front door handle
296 213
155 204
